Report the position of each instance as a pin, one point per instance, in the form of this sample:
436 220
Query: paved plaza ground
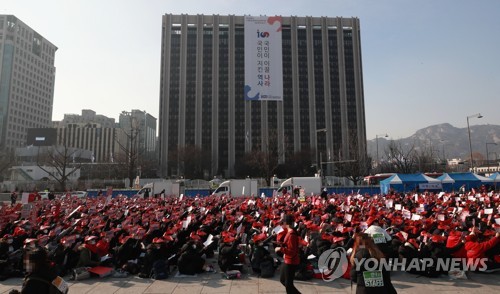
214 283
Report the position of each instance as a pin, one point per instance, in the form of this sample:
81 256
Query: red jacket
102 248
290 248
476 250
453 240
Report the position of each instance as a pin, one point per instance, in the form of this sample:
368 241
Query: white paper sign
209 240
415 217
397 206
278 230
24 198
348 217
488 211
440 217
185 224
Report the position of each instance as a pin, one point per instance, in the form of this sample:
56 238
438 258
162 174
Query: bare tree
192 161
357 165
400 159
7 159
265 158
128 143
300 164
60 162
356 168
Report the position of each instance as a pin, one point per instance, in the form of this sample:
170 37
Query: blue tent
409 182
453 181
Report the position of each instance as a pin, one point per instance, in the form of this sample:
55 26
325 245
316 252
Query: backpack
305 273
159 270
53 289
267 267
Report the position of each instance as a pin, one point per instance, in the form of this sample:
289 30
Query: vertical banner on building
263 58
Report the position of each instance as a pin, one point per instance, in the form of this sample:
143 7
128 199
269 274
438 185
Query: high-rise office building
202 91
143 125
27 76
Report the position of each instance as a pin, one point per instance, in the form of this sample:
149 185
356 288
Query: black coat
358 279
39 282
228 256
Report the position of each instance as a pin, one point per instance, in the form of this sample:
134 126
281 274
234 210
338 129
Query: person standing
290 250
363 257
13 197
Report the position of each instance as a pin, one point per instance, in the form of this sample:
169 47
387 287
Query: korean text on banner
263 58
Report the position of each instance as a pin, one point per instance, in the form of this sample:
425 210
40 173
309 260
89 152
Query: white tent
495 177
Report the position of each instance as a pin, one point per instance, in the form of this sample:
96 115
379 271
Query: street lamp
487 158
320 162
376 139
478 115
445 162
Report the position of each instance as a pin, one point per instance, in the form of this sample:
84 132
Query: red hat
194 236
438 238
424 233
158 240
400 236
201 233
90 238
313 227
326 237
29 240
19 231
228 239
124 239
168 237
257 225
259 237
414 243
347 230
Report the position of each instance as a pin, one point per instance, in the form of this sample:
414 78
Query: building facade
144 124
202 91
102 144
88 117
27 76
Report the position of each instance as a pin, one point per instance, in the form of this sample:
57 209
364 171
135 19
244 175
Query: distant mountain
454 142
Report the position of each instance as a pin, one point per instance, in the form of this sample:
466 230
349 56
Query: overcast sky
425 62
